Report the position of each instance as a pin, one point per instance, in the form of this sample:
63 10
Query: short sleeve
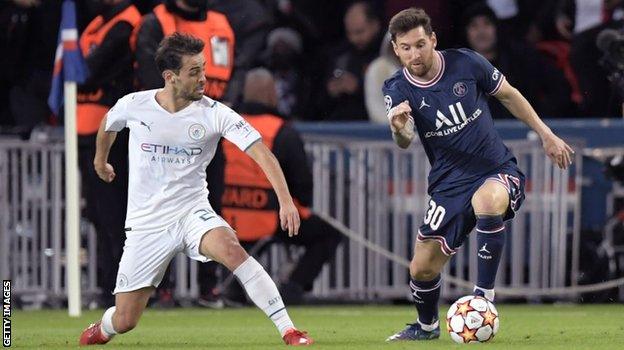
392 95
235 128
117 116
489 79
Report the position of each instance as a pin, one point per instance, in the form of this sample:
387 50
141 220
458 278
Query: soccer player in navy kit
474 179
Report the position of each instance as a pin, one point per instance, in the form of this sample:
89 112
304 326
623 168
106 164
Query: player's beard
195 94
423 68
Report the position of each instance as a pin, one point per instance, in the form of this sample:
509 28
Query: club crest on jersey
388 102
460 89
197 132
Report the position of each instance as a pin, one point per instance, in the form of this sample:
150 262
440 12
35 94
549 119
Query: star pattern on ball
468 334
464 308
488 318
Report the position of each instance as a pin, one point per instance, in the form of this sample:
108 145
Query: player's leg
425 267
127 311
221 244
490 203
141 269
121 318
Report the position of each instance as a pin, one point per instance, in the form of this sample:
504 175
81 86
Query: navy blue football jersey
452 117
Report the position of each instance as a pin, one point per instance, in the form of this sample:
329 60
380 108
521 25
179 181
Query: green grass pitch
352 327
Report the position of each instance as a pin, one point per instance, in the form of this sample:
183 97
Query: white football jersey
169 153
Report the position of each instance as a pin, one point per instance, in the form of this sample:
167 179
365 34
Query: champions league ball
472 319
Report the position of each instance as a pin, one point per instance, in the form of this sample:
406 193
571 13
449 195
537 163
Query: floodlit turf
354 327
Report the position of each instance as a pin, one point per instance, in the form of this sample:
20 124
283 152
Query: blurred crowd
329 57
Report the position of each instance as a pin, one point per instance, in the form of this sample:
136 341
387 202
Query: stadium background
571 237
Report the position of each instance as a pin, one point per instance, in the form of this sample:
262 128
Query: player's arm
103 143
558 151
401 124
289 216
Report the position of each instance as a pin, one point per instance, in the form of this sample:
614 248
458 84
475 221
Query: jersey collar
429 83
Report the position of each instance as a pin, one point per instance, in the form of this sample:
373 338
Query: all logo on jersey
447 125
457 111
460 89
197 132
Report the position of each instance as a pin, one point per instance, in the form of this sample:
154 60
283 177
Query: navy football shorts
450 217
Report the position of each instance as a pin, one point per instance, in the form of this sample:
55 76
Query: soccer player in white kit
174 132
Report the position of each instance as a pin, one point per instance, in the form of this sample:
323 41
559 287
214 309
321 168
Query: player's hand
399 115
289 218
558 151
105 171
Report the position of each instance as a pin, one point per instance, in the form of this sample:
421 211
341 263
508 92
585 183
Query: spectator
192 17
377 72
105 44
543 85
251 24
145 6
13 36
344 89
254 220
580 22
30 61
441 13
319 20
284 58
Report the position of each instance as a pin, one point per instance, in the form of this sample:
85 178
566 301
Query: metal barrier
379 191
32 247
372 187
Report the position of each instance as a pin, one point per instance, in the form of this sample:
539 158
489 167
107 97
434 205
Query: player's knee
421 272
492 202
233 253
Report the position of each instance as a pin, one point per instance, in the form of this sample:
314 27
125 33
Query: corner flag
69 64
69 69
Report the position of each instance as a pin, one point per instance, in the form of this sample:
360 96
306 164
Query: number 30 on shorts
434 215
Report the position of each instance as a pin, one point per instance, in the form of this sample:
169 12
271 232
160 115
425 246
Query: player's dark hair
173 47
409 19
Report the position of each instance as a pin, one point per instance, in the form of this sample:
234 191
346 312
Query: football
472 319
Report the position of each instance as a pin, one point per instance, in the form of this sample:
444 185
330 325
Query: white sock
489 293
107 322
262 291
429 327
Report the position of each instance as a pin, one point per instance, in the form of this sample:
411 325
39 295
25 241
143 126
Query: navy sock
426 295
490 242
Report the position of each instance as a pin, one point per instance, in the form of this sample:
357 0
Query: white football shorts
147 254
